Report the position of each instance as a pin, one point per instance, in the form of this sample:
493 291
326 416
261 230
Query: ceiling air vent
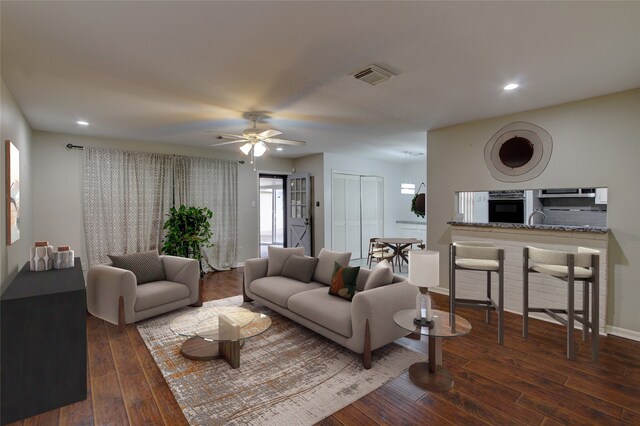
373 75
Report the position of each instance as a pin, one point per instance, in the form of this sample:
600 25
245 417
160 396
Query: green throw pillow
343 281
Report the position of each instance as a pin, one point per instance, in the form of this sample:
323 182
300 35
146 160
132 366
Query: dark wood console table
44 342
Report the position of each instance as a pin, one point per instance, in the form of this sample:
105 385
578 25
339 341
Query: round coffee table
218 332
431 375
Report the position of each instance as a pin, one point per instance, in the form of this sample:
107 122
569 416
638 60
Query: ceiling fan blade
285 142
269 133
229 142
225 135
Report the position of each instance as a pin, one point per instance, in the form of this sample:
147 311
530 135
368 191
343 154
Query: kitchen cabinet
601 195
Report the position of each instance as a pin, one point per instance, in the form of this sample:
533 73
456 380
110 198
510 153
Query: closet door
372 195
345 206
338 213
352 216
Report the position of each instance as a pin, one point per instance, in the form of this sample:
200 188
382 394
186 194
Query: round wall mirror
518 152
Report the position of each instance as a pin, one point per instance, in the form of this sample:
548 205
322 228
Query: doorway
273 226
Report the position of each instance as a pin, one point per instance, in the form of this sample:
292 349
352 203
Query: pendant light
408 188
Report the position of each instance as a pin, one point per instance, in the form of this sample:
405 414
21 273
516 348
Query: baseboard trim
623 332
440 290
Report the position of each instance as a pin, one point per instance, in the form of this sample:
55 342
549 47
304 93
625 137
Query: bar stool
570 267
478 256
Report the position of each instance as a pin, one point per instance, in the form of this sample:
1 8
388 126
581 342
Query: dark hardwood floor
523 382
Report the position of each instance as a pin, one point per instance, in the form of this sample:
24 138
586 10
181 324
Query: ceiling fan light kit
256 141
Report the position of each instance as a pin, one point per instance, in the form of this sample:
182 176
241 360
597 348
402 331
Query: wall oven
506 206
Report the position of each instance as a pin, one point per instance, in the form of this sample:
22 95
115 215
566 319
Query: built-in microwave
567 193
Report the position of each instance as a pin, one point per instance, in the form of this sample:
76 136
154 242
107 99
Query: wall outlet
253 203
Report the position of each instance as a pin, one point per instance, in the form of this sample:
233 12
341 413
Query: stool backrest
476 250
584 257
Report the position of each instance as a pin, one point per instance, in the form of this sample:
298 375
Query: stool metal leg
525 292
487 312
501 301
570 308
585 310
452 283
595 308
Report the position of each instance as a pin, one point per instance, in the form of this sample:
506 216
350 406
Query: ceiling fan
256 141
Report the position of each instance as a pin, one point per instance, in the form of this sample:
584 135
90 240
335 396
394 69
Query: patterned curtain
212 183
127 195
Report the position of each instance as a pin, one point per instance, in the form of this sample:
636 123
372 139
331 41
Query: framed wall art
12 190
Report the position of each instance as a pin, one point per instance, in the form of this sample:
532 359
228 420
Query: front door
298 211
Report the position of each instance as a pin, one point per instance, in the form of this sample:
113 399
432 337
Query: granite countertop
412 222
568 228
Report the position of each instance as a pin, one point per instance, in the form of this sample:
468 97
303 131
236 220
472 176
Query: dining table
398 245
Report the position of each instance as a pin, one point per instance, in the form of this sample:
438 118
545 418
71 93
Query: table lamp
424 272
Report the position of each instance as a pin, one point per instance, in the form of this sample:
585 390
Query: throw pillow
343 281
299 268
326 260
278 256
147 267
380 275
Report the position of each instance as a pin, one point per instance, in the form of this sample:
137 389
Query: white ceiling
168 71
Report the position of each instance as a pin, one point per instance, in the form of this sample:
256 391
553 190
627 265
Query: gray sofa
362 325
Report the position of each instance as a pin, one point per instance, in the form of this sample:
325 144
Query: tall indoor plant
188 232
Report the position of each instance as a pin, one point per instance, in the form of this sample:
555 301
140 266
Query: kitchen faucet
544 216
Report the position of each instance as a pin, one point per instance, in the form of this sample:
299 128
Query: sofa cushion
300 268
333 313
158 293
147 266
343 282
326 260
278 257
279 289
380 275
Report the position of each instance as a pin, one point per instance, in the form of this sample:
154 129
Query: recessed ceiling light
511 86
82 123
279 148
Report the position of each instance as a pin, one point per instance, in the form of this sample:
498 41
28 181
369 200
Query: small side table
431 375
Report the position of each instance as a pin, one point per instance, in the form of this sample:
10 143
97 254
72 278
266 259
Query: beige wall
57 200
14 127
314 164
596 143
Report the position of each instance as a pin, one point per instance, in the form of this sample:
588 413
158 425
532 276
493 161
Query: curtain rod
72 146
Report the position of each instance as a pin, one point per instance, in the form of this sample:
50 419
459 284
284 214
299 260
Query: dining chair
380 253
372 249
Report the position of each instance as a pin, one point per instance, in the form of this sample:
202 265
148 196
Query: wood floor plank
100 358
48 418
132 379
553 413
612 391
329 421
165 400
390 409
81 412
473 407
483 390
587 407
351 416
108 405
447 411
144 412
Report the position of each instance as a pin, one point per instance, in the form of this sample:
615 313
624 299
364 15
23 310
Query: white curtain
127 195
206 182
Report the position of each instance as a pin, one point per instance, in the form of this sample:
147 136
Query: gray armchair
114 295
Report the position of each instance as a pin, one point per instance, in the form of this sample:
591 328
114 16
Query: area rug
288 375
